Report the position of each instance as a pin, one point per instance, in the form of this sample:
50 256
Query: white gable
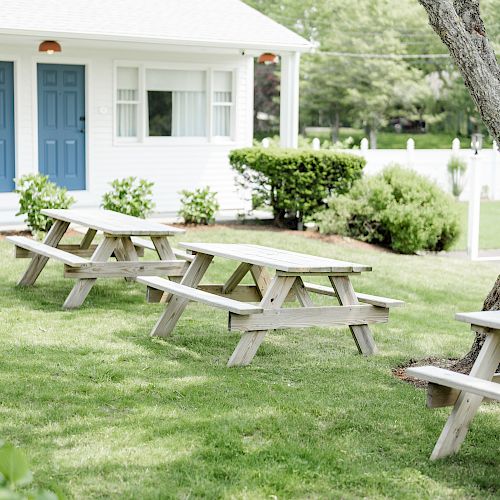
218 23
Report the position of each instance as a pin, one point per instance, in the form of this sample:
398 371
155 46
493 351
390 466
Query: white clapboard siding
171 165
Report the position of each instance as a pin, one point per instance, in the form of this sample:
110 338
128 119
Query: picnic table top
275 258
113 223
487 319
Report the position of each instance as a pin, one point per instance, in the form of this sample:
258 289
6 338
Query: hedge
295 183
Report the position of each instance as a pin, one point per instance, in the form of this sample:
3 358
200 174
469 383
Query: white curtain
189 114
222 114
127 114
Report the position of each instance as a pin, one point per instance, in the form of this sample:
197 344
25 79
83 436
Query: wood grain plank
47 250
235 279
83 286
35 267
275 258
467 404
250 341
310 316
112 223
361 333
127 269
197 295
176 305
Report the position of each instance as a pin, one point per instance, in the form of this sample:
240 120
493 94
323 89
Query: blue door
7 153
61 124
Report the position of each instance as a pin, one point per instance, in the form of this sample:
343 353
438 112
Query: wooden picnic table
86 262
270 292
464 392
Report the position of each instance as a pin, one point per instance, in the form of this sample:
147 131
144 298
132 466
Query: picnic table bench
464 392
86 262
270 292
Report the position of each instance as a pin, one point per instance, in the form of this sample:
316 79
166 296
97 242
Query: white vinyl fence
432 163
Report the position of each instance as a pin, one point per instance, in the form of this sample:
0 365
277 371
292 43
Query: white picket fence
432 163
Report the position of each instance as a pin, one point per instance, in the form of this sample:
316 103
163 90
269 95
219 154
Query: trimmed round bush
398 209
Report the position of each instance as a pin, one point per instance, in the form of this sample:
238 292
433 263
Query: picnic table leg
176 305
467 404
126 251
250 341
163 248
235 279
302 294
165 252
361 333
83 286
261 277
38 262
88 239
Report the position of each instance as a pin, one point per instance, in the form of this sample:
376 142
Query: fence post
410 148
474 207
316 144
364 144
455 146
265 142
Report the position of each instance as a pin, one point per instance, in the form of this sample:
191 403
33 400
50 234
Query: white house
160 89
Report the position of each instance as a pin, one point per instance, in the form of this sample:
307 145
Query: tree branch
460 27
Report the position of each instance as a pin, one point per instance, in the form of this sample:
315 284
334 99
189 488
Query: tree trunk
336 128
459 25
372 134
492 303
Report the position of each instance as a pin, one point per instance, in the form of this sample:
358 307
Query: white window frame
142 126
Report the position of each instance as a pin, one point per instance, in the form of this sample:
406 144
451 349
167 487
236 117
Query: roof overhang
251 47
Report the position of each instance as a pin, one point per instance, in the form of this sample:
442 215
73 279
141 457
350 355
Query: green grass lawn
489 236
105 412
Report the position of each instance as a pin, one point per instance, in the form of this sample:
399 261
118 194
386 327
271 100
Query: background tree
462 29
332 84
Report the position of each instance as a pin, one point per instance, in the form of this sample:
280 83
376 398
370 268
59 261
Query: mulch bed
400 370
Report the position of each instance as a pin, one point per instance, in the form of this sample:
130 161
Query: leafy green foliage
396 208
37 192
294 182
456 169
130 196
15 472
198 206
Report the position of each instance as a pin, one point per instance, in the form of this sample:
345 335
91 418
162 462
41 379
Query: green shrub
15 473
36 192
397 208
130 196
456 169
294 182
198 206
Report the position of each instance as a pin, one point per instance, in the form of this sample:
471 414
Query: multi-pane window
127 98
222 103
175 103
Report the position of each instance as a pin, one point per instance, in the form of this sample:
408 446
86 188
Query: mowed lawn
489 235
103 411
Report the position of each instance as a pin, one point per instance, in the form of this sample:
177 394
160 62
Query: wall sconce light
49 47
268 58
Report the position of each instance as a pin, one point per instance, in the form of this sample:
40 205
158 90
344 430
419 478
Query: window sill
167 142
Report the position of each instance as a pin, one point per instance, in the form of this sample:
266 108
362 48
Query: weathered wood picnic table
464 392
255 309
86 262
